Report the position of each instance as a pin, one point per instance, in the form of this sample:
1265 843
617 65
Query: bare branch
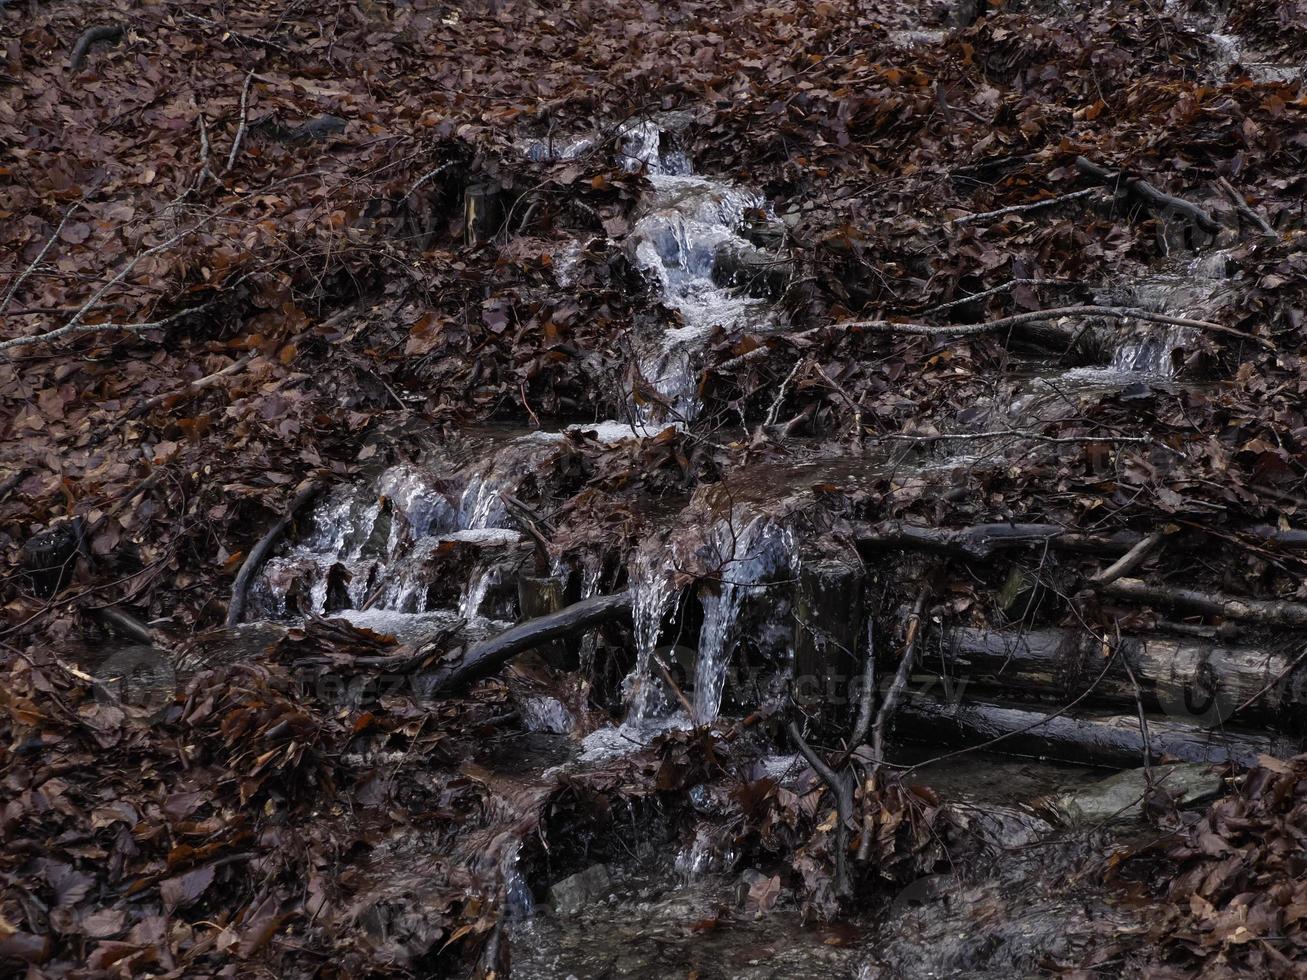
74 327
240 128
1036 316
13 289
1021 208
1246 209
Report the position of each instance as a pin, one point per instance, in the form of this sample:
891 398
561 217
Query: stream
432 544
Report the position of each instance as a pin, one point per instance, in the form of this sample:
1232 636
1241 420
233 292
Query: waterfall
749 553
651 586
519 904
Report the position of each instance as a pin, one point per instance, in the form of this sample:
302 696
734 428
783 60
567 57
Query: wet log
983 540
1100 740
1271 612
486 658
1196 680
1159 201
828 617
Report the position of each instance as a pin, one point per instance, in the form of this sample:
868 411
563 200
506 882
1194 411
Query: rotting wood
1272 612
1200 680
1100 740
258 554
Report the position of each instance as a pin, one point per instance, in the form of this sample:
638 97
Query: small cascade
651 585
689 222
390 545
543 713
750 552
695 858
483 577
1188 293
519 903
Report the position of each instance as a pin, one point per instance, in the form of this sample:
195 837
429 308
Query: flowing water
379 555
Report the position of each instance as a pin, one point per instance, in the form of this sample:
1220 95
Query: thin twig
194 386
1014 433
1128 562
843 794
240 128
994 290
906 659
81 328
1241 204
1021 208
13 289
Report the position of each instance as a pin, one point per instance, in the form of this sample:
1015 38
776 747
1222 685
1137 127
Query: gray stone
1120 797
572 894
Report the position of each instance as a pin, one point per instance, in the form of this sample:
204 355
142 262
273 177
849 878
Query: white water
750 551
652 592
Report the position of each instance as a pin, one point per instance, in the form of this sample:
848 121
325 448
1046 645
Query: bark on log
485 658
1272 612
1100 740
1188 679
1150 195
983 540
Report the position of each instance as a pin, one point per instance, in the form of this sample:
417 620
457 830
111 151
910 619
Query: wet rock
756 272
583 888
50 556
1121 797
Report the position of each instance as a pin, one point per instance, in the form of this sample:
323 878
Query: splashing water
651 586
482 579
750 552
519 903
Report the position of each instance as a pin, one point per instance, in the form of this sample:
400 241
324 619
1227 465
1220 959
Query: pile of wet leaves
1237 903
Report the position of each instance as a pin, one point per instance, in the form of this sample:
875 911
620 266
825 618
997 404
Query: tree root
90 36
258 554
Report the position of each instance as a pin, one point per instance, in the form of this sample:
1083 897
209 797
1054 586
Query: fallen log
1189 679
1100 740
1272 612
258 554
1150 195
485 658
983 540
